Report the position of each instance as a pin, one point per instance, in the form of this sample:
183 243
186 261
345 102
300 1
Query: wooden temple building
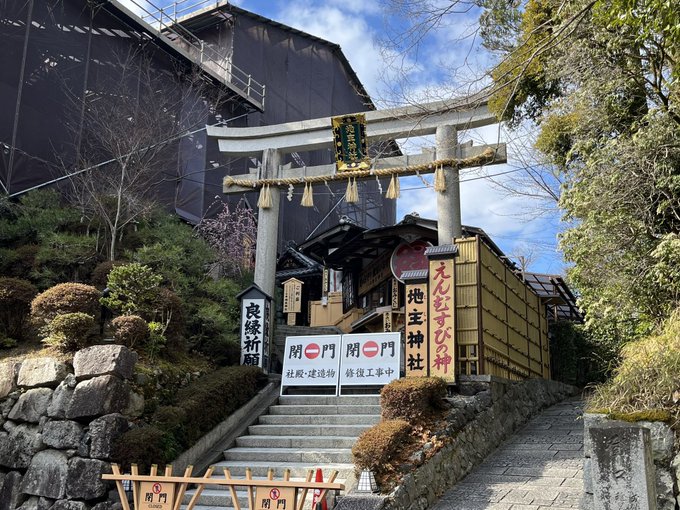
463 309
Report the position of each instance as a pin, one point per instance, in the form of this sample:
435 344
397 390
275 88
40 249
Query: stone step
296 441
320 409
329 400
219 496
297 469
330 419
308 430
317 455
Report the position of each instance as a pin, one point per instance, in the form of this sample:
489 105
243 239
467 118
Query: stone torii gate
442 118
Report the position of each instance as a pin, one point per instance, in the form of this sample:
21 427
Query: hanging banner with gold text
351 148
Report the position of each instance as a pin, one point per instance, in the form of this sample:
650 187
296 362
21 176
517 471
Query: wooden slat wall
514 329
467 318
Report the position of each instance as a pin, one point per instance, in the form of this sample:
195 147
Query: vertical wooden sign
415 327
395 294
292 299
255 327
442 311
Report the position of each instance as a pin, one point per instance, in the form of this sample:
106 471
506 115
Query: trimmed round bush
65 298
144 446
413 399
69 332
376 446
130 330
15 304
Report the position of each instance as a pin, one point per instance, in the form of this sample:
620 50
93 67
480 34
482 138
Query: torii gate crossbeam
442 118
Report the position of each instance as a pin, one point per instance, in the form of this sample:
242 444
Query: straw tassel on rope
393 189
265 199
351 194
355 191
308 196
439 179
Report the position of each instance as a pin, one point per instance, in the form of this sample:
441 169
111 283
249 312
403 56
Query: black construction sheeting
57 73
305 77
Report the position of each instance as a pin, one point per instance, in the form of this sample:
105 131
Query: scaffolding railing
167 21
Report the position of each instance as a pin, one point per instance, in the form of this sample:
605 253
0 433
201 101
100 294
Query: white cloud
341 26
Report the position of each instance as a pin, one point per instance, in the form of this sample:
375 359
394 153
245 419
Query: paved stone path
539 468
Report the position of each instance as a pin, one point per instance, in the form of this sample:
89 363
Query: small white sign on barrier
370 359
311 361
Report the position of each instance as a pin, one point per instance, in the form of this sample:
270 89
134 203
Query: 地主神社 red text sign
370 358
311 361
416 330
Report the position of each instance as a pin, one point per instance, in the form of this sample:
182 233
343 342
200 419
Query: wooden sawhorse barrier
166 492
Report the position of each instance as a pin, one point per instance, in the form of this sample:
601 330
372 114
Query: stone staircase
299 433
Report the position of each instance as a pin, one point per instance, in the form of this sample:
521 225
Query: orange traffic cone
317 492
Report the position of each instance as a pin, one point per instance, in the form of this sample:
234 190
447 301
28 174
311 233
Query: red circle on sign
274 494
157 488
312 351
370 349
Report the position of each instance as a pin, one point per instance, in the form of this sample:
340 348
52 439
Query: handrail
168 21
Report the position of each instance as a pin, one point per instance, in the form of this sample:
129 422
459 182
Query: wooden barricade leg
301 503
121 490
332 478
251 496
182 488
199 489
234 496
135 486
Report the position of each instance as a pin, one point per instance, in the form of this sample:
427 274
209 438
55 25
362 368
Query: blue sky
449 62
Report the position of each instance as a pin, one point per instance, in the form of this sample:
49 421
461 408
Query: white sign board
370 358
311 361
254 340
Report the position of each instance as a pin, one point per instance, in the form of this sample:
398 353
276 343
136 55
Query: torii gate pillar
268 227
449 224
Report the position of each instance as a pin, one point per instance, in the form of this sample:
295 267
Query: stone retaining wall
58 423
478 425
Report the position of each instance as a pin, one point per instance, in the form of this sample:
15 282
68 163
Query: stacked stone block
57 427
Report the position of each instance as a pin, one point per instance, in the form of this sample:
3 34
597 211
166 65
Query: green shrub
575 358
130 330
173 420
173 250
648 375
15 305
197 409
376 446
65 298
213 332
18 263
133 288
413 399
221 351
144 446
100 274
156 342
169 310
69 332
7 343
210 399
64 256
